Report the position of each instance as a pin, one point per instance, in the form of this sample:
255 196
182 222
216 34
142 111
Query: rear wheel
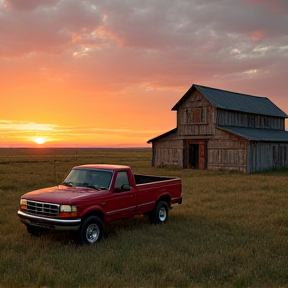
159 214
91 230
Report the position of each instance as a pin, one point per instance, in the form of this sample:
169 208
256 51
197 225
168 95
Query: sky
106 73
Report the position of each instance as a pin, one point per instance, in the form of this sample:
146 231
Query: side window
121 179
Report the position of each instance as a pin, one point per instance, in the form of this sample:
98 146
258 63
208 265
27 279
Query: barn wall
227 151
233 118
196 116
168 151
264 156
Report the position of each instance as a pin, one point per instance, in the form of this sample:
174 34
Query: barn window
198 115
188 115
202 118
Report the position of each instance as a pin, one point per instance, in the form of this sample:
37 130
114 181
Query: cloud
137 56
146 40
28 131
144 25
23 127
276 6
28 4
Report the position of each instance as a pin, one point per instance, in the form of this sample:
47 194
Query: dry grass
230 231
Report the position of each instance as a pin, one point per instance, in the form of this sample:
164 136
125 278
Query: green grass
230 231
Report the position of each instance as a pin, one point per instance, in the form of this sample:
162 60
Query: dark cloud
276 6
153 42
160 25
28 4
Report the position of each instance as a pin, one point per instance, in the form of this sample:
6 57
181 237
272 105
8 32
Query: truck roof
102 166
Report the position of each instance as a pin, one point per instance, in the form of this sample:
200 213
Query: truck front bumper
49 223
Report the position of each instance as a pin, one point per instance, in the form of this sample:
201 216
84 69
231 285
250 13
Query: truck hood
64 195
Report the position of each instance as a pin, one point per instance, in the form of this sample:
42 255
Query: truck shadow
112 230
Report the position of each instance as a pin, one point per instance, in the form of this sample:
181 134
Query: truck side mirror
125 187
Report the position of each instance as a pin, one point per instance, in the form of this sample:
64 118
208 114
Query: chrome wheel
159 214
162 214
92 233
91 230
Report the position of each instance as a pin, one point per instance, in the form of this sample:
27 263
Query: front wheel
91 230
159 214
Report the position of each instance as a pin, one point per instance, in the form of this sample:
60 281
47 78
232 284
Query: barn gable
227 100
221 129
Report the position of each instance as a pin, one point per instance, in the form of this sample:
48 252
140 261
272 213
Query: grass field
230 231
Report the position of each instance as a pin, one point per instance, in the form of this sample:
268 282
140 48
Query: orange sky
107 73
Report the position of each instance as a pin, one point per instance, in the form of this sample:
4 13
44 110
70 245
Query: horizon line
78 147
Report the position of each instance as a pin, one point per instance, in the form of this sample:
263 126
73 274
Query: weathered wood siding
196 116
168 151
264 156
233 118
227 151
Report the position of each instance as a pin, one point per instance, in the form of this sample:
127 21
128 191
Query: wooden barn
218 129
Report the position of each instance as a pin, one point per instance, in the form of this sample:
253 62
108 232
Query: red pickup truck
92 195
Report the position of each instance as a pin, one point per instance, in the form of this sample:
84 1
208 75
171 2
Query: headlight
23 204
68 211
65 208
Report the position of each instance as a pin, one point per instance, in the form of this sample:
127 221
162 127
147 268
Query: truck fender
96 210
164 197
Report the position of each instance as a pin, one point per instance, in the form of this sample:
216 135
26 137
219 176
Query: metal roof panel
227 100
240 102
256 134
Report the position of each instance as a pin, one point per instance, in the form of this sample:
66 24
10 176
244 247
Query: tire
91 230
36 231
159 214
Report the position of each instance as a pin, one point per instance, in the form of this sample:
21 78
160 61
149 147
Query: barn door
202 156
196 154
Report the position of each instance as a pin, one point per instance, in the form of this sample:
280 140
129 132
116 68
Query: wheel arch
94 212
165 198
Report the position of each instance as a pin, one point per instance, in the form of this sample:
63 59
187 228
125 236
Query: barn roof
162 135
256 134
227 100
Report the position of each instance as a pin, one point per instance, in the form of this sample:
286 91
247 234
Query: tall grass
230 231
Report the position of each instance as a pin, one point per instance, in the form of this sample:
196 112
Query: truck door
122 203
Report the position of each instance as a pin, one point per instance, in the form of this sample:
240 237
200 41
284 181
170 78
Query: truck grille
41 208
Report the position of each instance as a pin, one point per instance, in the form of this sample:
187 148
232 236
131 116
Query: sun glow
39 140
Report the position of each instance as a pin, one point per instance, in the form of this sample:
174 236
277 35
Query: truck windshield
97 179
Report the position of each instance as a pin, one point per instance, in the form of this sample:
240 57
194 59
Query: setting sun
39 140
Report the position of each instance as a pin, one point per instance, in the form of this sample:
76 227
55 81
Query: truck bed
145 179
